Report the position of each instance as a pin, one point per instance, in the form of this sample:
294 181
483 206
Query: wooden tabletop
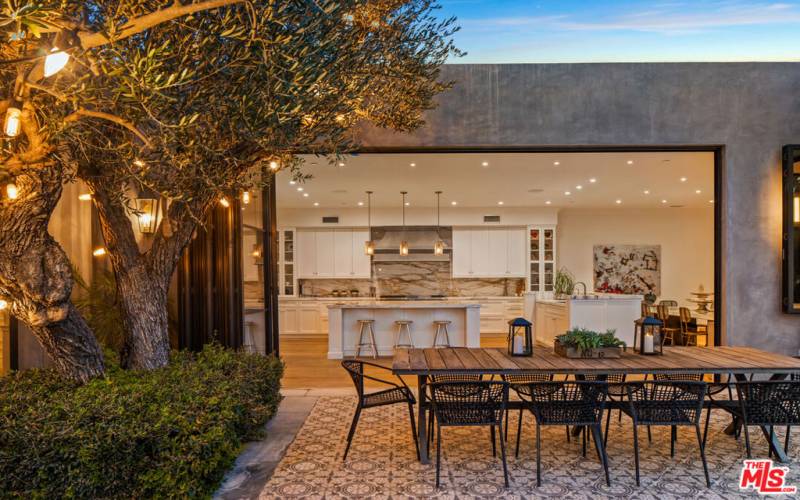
674 360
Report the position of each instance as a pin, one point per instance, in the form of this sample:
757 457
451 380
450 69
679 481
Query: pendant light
369 245
404 243
438 247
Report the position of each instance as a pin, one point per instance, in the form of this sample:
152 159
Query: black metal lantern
520 342
650 337
147 215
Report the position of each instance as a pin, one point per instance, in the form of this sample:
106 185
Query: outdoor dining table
740 361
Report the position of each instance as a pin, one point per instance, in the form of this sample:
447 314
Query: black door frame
272 331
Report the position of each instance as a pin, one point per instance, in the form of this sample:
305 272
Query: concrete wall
750 108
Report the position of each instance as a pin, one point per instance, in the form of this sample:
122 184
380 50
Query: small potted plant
583 343
563 284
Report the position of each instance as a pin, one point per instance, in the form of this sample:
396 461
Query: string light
224 202
55 62
85 197
13 120
273 165
99 252
12 191
3 304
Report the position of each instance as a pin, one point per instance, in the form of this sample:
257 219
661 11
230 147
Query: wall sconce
147 215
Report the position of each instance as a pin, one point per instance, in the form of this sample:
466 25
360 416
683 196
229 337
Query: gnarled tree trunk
143 303
36 275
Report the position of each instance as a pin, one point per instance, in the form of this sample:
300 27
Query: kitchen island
343 329
594 312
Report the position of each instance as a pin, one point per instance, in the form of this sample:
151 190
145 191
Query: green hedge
170 433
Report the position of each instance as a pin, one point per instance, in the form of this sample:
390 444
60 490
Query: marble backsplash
416 278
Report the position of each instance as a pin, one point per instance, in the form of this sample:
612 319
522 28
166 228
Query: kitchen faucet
584 287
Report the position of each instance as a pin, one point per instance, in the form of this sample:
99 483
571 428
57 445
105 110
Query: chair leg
786 442
605 436
413 428
503 456
505 428
430 429
601 450
569 439
519 433
705 430
746 439
702 454
438 452
494 445
672 432
538 457
649 435
636 451
583 432
350 434
771 439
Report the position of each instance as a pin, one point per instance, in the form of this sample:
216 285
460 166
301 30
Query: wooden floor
308 366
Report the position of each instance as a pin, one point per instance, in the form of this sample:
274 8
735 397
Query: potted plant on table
583 343
563 284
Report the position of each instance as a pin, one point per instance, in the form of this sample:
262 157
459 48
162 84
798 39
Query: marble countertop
445 299
405 304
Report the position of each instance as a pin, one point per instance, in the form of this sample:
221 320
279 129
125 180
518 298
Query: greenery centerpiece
583 343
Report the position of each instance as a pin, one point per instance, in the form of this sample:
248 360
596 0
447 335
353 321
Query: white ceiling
515 179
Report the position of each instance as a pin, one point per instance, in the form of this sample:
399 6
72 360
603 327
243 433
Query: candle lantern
520 342
147 215
650 336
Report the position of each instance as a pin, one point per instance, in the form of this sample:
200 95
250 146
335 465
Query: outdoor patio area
382 463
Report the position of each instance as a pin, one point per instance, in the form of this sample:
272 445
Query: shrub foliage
168 433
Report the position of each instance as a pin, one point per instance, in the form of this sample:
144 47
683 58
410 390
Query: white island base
343 328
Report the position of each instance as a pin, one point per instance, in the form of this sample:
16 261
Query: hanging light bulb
99 252
369 245
224 202
55 61
404 243
12 191
246 197
13 121
85 197
3 304
273 165
438 247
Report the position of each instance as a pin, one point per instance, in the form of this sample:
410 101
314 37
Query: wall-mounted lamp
147 215
246 197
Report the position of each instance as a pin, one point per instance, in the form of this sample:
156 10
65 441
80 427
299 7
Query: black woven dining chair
454 377
519 384
768 404
795 376
469 404
578 403
616 393
398 394
666 403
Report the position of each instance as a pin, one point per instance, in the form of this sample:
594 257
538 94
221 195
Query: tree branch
107 116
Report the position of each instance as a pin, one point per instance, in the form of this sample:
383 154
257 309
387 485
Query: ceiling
593 180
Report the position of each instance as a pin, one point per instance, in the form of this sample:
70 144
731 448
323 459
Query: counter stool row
403 338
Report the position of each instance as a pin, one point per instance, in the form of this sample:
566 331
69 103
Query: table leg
422 425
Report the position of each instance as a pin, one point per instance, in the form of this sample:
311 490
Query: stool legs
401 328
367 328
441 328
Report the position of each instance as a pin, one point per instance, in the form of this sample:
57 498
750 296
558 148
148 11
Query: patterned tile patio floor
382 463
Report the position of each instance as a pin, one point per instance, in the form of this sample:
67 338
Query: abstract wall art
632 269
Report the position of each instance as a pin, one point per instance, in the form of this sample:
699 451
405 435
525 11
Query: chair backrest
772 402
469 403
662 312
567 403
356 371
679 377
668 303
686 318
527 378
666 402
611 378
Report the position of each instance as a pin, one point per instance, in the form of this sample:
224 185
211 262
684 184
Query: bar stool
365 326
403 325
441 327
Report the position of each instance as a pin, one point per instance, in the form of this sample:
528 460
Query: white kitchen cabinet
497 252
332 253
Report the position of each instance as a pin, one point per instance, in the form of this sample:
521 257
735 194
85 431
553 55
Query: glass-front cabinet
286 262
542 258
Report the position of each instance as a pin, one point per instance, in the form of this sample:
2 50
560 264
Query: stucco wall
750 108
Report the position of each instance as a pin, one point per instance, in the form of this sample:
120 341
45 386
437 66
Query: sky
517 31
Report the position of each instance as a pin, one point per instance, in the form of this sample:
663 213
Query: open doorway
640 223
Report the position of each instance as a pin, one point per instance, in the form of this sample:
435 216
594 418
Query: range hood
420 243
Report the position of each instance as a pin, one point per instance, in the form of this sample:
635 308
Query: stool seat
366 321
442 322
403 322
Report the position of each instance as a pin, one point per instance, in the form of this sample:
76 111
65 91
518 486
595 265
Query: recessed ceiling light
305 195
360 203
454 203
485 164
578 187
618 202
408 203
646 191
697 191
663 201
499 202
547 202
316 203
592 180
567 193
630 162
412 164
711 201
292 183
300 188
556 163
684 179
341 164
